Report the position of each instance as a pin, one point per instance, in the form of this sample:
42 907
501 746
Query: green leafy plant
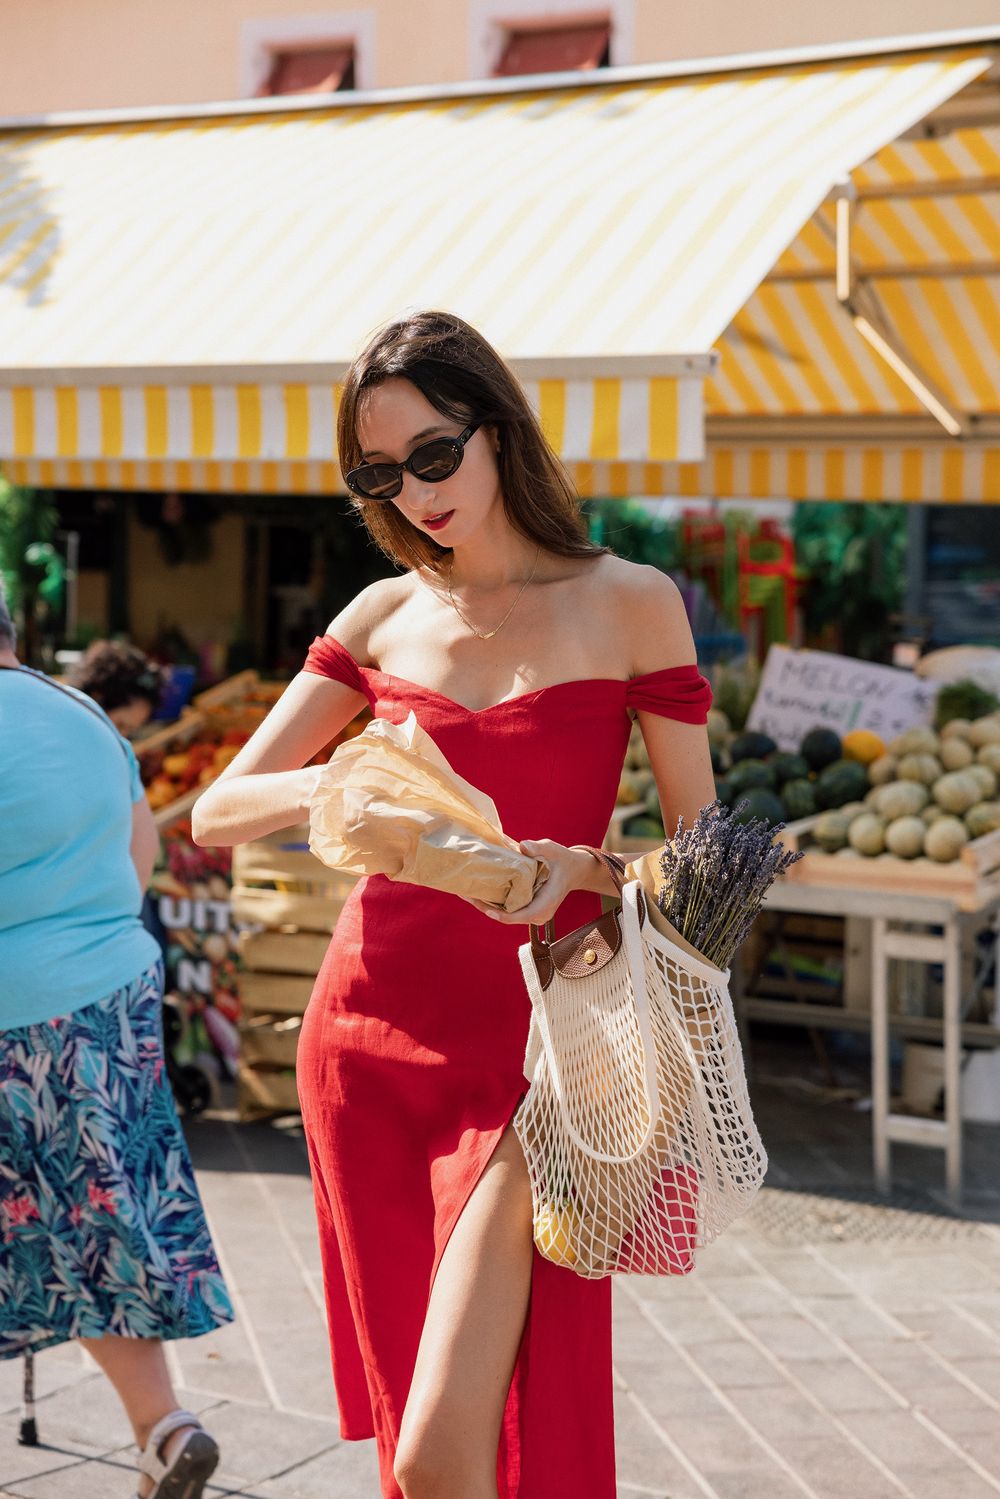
854 556
963 699
32 570
628 527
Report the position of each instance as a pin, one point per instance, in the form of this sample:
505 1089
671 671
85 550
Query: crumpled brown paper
389 803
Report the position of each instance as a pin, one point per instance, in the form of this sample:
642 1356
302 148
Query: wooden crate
270 1040
788 955
282 909
266 1090
283 889
968 882
232 690
284 952
280 993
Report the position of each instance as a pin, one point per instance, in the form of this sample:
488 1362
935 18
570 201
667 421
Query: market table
961 902
890 914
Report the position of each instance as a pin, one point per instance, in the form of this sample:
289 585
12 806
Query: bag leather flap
581 952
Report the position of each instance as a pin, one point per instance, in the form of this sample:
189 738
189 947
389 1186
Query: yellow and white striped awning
925 239
659 417
900 471
929 252
929 472
190 290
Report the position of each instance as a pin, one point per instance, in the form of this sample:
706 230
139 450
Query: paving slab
828 1347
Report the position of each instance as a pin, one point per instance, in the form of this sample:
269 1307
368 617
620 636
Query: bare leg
451 1425
137 1367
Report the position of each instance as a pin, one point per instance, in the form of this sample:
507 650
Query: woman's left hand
568 869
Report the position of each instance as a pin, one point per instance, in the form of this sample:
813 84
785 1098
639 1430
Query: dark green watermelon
820 748
759 805
747 774
798 798
751 746
842 782
788 767
723 791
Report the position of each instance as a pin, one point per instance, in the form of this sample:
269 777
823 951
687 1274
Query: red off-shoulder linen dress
410 1068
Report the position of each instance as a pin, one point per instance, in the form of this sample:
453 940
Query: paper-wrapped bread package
389 803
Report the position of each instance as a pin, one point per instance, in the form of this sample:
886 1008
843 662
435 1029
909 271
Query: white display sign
803 690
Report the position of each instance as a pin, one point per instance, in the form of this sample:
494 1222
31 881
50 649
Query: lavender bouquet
714 876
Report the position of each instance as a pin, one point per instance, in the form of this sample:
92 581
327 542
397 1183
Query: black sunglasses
431 461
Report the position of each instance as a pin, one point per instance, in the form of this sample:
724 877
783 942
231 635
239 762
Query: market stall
778 259
202 929
926 916
900 838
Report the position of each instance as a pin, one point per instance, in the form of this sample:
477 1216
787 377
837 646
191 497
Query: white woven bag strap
637 977
669 1010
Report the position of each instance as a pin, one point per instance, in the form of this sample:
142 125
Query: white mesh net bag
637 1129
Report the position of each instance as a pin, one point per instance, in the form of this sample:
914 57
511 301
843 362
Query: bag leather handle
542 936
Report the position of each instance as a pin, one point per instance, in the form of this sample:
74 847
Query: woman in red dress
481 1369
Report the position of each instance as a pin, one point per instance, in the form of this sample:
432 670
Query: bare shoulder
654 622
358 623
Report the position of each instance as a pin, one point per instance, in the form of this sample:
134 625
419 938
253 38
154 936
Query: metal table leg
880 1056
953 1058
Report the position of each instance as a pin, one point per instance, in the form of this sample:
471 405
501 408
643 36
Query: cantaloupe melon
867 834
905 837
945 840
956 752
957 791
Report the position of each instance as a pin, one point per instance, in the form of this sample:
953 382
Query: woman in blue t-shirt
102 1234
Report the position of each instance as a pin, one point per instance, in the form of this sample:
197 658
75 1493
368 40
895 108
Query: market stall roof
186 291
803 405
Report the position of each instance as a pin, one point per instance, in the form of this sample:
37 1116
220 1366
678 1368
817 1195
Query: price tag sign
803 690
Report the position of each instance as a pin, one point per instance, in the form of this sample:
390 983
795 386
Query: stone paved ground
827 1347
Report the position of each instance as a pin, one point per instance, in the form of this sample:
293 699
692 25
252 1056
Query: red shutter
322 70
556 49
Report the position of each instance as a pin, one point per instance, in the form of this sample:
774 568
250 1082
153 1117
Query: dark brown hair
464 378
115 674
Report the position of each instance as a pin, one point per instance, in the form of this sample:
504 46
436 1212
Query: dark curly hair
115 674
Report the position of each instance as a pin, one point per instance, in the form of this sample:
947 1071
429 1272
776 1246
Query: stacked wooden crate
969 880
290 901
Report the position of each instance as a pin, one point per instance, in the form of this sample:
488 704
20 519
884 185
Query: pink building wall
91 54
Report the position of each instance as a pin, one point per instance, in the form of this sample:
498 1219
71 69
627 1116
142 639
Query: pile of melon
931 793
755 778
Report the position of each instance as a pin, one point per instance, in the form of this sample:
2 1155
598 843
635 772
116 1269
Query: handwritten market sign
803 690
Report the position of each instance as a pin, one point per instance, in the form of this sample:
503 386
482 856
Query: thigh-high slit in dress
410 1069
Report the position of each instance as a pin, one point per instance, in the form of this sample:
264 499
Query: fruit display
784 786
776 785
924 796
180 761
169 776
637 790
931 793
188 904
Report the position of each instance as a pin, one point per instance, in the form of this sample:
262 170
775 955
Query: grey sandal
190 1467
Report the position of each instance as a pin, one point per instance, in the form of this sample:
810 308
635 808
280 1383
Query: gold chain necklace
489 634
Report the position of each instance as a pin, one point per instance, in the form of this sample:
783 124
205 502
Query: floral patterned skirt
101 1227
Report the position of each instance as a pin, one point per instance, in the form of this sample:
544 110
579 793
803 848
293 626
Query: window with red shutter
316 70
555 49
